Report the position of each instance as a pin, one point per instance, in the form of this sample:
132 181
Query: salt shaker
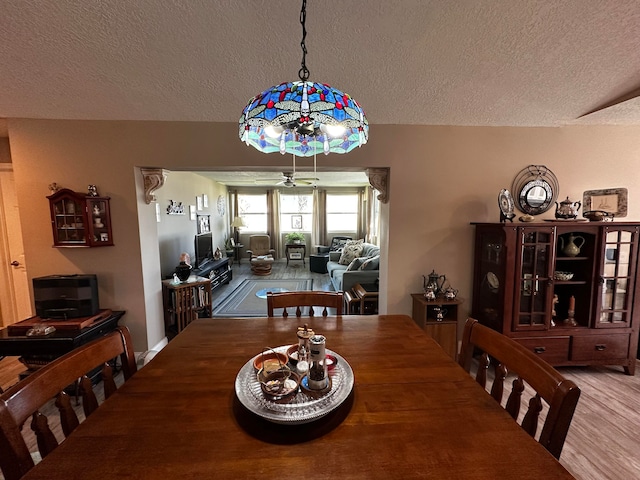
318 378
304 334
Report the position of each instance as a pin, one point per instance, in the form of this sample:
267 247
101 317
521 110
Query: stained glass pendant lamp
303 117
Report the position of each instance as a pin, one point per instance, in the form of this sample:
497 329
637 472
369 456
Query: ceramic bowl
292 354
331 362
562 275
281 385
270 361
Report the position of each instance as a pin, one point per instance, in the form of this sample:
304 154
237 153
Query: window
253 209
296 212
342 212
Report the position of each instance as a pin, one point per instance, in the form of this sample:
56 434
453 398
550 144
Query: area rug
243 301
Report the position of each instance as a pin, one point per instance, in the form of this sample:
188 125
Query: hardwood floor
603 439
604 435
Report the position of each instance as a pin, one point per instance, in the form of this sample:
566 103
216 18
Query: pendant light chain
302 117
303 73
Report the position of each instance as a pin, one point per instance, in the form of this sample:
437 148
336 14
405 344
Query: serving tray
302 408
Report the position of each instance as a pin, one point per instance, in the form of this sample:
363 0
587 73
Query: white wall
176 232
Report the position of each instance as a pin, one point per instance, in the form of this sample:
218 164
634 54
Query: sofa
344 277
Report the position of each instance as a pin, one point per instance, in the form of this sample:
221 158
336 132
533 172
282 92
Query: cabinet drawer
600 347
553 350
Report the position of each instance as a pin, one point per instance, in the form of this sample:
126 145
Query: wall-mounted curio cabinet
80 220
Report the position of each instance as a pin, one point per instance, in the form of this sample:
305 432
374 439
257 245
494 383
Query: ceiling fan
288 180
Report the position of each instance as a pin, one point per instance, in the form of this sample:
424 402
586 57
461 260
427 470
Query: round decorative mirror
536 189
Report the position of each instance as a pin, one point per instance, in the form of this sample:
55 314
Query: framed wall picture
203 223
609 200
192 212
199 203
296 222
205 200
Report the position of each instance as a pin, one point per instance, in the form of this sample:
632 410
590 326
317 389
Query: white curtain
273 220
319 222
363 215
374 216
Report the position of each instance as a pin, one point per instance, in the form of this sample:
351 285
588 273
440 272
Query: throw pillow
355 264
337 245
372 263
352 249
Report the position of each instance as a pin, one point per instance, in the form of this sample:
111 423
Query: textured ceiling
438 62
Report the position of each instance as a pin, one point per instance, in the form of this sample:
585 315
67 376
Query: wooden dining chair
507 356
26 398
310 298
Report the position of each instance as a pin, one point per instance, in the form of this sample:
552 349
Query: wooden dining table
412 413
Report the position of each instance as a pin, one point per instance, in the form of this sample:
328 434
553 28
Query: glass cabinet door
534 272
69 229
100 225
617 275
489 276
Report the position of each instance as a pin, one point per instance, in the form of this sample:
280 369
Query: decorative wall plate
492 280
507 207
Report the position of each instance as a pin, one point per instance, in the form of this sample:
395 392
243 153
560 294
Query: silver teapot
450 293
567 209
435 281
429 293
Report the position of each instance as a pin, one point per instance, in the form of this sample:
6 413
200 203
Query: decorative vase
183 271
573 245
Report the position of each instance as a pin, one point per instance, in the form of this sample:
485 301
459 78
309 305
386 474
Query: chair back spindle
26 398
559 394
309 299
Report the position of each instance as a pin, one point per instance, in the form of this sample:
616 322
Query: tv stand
218 271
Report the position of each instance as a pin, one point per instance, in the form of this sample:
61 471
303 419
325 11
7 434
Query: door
15 301
534 278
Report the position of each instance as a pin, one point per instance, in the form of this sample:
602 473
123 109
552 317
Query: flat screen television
204 248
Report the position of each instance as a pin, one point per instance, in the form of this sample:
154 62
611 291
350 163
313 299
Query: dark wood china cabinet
563 289
80 220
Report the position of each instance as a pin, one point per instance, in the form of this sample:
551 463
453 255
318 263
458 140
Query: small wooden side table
295 246
444 331
368 295
236 251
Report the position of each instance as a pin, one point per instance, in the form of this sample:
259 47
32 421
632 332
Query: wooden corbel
153 179
379 179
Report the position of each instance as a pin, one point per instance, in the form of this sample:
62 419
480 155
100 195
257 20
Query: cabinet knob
15 263
600 347
539 349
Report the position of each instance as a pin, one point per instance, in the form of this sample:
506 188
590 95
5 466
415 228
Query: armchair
260 245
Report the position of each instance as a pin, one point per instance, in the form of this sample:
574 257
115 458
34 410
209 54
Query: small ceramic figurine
92 191
183 270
